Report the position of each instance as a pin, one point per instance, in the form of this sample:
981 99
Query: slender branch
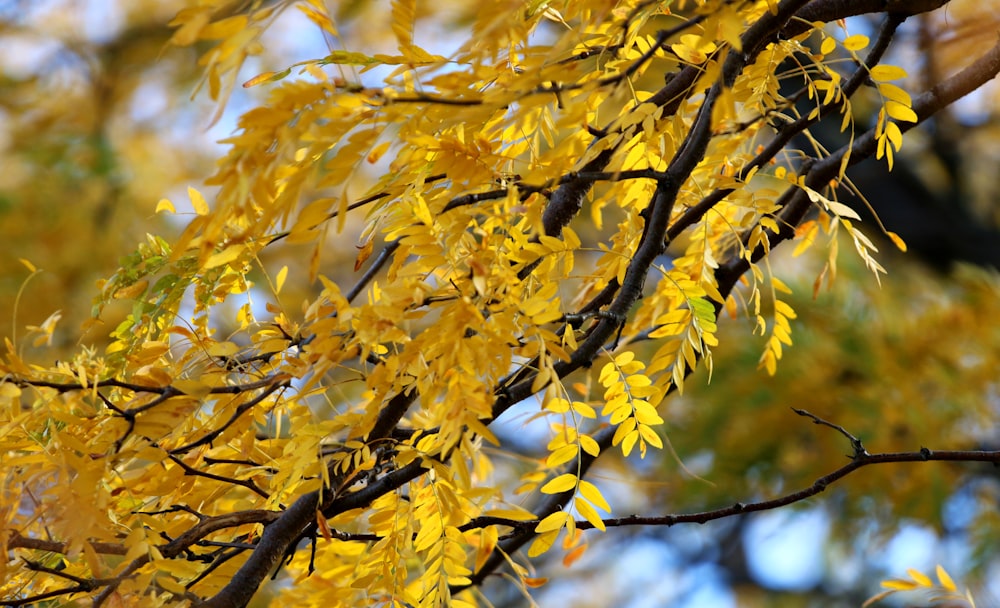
425 98
240 410
214 524
222 558
817 487
827 11
89 583
859 447
34 599
524 531
652 242
373 270
170 550
795 202
246 483
355 205
792 129
550 504
266 555
17 541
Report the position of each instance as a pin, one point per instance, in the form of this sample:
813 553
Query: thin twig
859 448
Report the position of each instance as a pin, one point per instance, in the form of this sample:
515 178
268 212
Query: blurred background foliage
95 127
97 124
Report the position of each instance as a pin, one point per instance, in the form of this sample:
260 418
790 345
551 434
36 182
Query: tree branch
795 201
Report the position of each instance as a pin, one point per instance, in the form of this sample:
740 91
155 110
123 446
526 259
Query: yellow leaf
165 205
591 493
784 309
650 436
513 513
899 585
557 405
377 152
646 415
807 234
324 526
589 514
842 210
179 568
28 265
856 42
403 17
197 201
170 584
264 77
225 28
629 442
922 579
897 240
900 112
780 285
566 481
131 291
946 580
768 362
891 91
191 21
225 256
894 135
223 349
608 374
319 19
279 281
838 209
194 388
589 445
561 455
887 72
348 57
693 49
552 522
541 379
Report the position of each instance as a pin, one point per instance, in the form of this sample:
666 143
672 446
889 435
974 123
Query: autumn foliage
551 221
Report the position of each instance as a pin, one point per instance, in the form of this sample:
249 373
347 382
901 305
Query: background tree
93 121
575 187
